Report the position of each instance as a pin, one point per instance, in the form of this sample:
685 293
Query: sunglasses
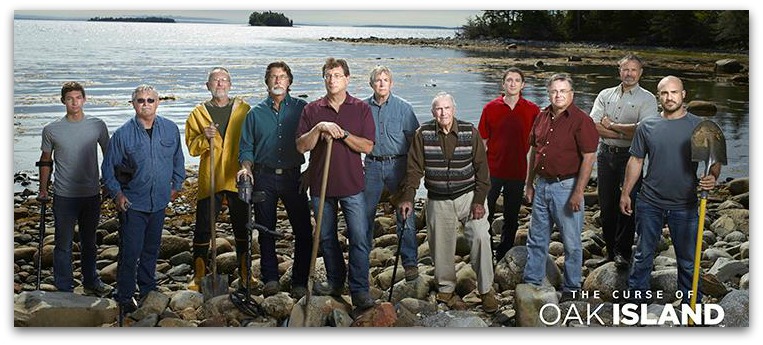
144 100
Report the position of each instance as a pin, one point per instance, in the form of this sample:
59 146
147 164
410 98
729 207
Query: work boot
199 269
271 288
411 273
452 300
325 289
489 303
363 301
243 273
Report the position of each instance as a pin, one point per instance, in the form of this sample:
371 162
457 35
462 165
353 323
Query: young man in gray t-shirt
71 143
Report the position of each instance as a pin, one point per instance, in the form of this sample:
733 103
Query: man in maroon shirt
349 122
505 128
563 144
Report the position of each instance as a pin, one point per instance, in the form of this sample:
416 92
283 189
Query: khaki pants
442 216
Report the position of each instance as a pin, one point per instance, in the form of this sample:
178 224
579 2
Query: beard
277 91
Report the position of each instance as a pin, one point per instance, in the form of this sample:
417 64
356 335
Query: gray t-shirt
73 145
671 176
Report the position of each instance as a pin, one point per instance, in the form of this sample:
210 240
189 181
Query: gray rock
319 310
739 185
528 301
736 306
741 218
723 226
735 236
702 108
606 279
667 282
278 306
743 199
510 270
744 282
453 319
62 309
712 254
724 269
172 245
175 322
744 250
182 258
149 320
728 66
186 299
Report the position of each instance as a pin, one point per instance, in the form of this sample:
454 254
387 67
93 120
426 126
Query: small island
133 19
269 18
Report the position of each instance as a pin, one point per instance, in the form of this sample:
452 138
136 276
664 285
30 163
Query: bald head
670 80
671 92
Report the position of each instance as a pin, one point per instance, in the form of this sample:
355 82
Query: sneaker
297 292
325 289
99 289
362 302
411 273
489 302
271 288
568 296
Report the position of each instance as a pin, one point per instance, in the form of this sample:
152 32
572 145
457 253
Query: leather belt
384 158
558 178
276 171
615 149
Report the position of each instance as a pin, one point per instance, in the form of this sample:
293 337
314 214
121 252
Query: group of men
517 150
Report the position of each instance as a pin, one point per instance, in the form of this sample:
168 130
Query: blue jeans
286 188
683 232
389 174
549 208
513 192
354 209
67 212
140 236
618 228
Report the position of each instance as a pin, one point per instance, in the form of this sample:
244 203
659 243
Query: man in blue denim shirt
143 170
268 155
385 166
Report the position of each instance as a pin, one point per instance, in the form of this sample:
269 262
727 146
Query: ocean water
111 59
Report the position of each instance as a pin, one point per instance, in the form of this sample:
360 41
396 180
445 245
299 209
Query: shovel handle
698 253
212 213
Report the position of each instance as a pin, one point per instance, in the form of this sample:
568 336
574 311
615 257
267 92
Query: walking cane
317 231
708 145
397 259
43 211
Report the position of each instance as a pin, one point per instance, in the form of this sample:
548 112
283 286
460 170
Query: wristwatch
346 134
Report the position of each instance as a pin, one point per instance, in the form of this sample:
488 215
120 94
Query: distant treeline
677 28
269 18
132 19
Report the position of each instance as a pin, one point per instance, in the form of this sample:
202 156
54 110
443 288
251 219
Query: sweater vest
448 178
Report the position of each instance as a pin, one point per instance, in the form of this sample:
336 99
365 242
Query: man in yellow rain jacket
220 119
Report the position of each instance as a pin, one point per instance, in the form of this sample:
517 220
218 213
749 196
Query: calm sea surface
111 59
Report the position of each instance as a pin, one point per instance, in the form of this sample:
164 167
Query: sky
427 13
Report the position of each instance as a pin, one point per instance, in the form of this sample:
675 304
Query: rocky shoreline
531 54
725 261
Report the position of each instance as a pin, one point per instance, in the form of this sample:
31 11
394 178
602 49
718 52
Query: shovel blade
214 285
708 144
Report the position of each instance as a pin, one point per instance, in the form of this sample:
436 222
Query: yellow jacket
226 149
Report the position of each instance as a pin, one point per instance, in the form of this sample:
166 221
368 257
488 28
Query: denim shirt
156 162
267 137
395 123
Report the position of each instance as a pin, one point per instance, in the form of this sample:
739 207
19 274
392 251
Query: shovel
317 231
707 145
212 284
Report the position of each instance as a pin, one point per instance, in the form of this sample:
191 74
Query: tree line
667 28
269 18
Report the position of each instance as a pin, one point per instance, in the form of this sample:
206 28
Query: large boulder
728 66
62 309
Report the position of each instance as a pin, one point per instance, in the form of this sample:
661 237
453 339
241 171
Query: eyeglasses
333 76
217 80
144 100
279 76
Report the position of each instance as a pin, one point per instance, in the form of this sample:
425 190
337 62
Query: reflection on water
111 59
